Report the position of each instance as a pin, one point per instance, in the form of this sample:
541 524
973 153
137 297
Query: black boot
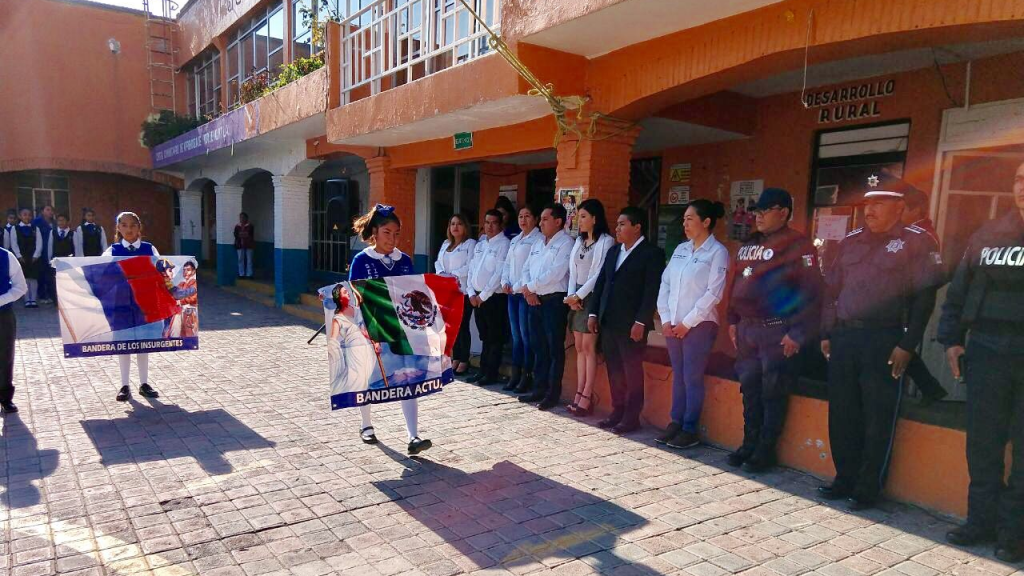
763 458
746 450
513 381
525 383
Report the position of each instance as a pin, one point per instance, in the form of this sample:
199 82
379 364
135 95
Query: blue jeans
519 322
547 338
689 358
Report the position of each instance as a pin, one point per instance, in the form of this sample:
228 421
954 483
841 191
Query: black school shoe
834 492
684 440
124 394
8 407
147 391
416 445
367 435
670 433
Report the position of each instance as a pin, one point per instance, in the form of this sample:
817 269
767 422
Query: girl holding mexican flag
380 228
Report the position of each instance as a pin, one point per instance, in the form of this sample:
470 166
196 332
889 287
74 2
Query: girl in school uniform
128 242
380 228
585 264
27 245
453 260
90 238
518 311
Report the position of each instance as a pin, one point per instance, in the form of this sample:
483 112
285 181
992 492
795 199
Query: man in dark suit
623 310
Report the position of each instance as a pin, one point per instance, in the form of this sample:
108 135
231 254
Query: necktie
131 248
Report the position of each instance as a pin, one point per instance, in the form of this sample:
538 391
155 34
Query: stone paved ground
241 469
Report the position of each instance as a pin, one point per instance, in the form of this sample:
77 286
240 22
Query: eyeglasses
761 212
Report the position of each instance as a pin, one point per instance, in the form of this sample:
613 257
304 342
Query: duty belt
767 322
862 324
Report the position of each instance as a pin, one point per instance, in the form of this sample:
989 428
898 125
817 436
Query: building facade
415 108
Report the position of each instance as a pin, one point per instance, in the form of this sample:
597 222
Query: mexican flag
415 315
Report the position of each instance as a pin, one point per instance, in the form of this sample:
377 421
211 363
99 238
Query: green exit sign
463 140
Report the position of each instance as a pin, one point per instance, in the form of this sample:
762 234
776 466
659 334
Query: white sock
124 361
364 412
143 361
411 410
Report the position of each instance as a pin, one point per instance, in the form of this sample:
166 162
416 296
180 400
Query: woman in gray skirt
584 266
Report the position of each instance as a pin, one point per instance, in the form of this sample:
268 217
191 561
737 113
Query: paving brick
241 469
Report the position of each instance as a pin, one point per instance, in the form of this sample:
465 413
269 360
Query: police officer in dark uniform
986 298
879 294
773 311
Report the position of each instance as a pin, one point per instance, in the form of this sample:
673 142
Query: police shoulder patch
915 229
855 232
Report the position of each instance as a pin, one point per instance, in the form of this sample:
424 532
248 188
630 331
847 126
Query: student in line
7 234
12 287
128 242
27 245
90 238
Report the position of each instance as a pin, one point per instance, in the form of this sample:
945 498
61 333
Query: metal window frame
389 39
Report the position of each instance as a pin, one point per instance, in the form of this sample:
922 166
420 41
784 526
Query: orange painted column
600 166
395 187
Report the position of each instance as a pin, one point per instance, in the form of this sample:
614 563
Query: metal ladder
160 54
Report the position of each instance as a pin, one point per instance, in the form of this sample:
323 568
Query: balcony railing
389 43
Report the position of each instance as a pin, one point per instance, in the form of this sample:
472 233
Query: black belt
862 324
767 322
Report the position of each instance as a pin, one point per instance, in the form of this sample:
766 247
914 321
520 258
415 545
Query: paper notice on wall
679 173
743 196
832 227
510 191
679 195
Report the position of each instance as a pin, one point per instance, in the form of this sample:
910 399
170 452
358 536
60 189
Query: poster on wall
743 196
679 195
570 199
510 191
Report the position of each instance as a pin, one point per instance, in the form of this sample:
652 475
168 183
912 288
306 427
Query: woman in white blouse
691 288
585 264
518 310
453 260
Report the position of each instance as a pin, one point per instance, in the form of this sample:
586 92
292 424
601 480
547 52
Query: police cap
885 185
772 197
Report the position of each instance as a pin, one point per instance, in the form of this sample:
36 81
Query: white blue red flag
127 305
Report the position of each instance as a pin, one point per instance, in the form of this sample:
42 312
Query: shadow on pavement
155 431
511 516
23 463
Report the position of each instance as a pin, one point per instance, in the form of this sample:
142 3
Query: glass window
232 61
247 57
262 39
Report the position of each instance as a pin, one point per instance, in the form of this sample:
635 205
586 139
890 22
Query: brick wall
395 187
109 194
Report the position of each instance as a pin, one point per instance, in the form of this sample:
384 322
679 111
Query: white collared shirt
515 262
56 236
585 265
17 249
485 269
130 246
17 279
547 268
456 263
693 283
79 239
624 253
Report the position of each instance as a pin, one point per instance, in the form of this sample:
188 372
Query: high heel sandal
584 412
571 408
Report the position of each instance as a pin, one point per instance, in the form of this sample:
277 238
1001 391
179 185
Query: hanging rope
561 106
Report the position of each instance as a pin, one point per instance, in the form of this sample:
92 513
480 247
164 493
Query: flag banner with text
111 305
390 338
